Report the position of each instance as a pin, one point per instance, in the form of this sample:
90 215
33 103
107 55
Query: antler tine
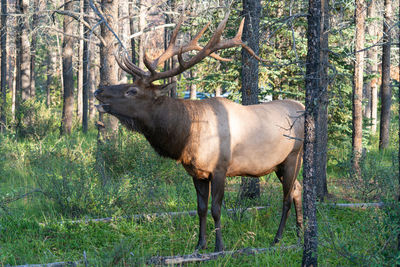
168 53
237 41
218 32
128 66
194 45
133 69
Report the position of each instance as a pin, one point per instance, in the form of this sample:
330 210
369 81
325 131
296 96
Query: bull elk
211 138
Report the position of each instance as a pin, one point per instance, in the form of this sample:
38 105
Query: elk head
133 100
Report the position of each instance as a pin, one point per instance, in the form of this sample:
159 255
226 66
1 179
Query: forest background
56 167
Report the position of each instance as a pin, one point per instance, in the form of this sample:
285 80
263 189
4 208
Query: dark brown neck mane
168 130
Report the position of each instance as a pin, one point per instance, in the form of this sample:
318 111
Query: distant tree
68 75
322 132
34 35
386 90
398 197
79 73
371 86
23 52
85 71
142 25
250 187
132 30
311 126
3 64
108 64
93 77
51 65
358 82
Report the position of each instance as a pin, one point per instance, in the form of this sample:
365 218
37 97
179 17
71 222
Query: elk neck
167 126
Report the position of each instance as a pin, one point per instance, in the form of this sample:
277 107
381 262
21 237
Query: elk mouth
103 108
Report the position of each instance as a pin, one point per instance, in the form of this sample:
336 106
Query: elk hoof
276 241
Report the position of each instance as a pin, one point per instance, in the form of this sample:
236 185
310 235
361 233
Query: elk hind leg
287 173
217 192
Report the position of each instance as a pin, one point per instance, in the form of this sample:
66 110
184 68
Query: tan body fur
243 140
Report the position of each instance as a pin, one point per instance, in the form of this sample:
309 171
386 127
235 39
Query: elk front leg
203 194
217 192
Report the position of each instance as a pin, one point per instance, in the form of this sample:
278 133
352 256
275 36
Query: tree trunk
49 75
193 89
68 76
358 85
79 74
132 31
398 199
93 78
60 62
108 64
142 25
85 71
23 48
3 65
322 131
250 187
124 30
36 8
386 90
11 65
311 158
372 70
14 90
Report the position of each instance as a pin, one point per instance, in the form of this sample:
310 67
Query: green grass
134 180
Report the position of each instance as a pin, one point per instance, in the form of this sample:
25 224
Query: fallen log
197 257
150 216
54 264
356 205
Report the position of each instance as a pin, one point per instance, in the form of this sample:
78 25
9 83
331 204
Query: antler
213 45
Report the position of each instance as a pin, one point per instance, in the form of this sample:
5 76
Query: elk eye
131 92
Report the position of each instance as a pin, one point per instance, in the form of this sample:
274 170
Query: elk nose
98 92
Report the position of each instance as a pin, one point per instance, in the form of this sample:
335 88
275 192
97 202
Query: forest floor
46 183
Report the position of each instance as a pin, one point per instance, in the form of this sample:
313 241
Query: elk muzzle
102 107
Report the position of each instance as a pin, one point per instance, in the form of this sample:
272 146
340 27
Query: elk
212 138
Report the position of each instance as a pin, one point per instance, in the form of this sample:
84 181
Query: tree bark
358 85
322 131
93 78
49 76
85 71
371 86
124 30
36 8
132 31
79 74
3 65
310 157
398 199
108 64
68 76
193 89
142 25
23 50
386 90
250 187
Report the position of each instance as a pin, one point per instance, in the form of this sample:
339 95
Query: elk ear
164 89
